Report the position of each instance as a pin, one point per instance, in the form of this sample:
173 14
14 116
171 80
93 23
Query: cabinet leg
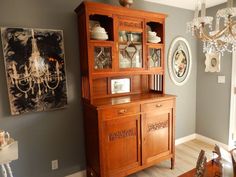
172 163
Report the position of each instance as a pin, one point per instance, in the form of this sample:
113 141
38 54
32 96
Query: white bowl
99 33
152 33
98 29
152 37
154 41
99 36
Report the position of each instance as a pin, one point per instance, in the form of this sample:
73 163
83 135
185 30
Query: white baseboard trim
185 139
211 141
177 142
78 174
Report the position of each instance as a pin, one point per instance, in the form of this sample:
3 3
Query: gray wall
186 95
50 135
213 99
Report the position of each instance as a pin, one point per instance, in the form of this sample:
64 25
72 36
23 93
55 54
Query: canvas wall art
35 69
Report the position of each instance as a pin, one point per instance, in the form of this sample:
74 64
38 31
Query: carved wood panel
130 23
121 142
157 130
122 134
157 125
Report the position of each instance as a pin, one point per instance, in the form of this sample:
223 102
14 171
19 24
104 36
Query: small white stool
7 155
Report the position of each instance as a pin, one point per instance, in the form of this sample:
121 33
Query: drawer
116 111
158 105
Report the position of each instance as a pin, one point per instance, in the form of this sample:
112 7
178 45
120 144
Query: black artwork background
17 47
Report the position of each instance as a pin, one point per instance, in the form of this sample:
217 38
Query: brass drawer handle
122 111
158 105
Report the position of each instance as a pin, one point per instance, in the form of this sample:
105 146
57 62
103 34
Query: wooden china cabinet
129 120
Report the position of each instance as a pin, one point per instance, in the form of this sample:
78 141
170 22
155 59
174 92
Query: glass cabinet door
130 49
154 57
102 57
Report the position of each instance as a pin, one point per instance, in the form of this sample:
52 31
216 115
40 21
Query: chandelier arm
197 33
215 36
231 30
24 91
53 88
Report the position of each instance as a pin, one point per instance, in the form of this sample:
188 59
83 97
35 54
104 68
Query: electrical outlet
54 164
221 79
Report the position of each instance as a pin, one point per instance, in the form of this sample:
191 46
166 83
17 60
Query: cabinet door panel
101 56
121 142
155 57
156 132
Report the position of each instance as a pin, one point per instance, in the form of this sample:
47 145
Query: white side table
7 155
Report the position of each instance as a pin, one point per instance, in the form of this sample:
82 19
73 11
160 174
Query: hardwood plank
186 157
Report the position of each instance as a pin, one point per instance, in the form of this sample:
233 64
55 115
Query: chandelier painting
35 68
221 38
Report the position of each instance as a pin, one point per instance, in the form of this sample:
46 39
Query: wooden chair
201 164
233 154
226 160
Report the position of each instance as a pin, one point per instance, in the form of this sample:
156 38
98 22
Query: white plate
154 41
98 33
9 143
99 37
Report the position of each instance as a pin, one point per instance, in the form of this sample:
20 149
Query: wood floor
186 157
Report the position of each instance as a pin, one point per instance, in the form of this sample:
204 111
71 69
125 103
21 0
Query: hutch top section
120 43
106 9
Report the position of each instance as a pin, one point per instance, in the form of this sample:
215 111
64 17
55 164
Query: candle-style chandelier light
38 76
223 37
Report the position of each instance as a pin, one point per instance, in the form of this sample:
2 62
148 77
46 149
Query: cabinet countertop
100 103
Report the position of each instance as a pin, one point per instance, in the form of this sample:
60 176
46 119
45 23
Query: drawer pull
122 111
158 105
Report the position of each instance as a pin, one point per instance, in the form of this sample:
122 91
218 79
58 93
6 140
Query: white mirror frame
170 58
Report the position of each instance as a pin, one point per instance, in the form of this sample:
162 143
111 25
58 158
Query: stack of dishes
153 38
98 33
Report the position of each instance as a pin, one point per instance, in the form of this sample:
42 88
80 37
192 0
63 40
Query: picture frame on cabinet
121 85
212 62
179 61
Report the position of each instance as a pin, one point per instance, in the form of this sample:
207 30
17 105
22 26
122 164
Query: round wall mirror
179 61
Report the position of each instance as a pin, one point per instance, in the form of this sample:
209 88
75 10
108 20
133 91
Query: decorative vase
126 3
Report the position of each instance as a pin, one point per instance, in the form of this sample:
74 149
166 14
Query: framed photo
212 62
179 61
120 85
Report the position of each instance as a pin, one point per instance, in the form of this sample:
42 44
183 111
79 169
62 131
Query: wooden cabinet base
124 138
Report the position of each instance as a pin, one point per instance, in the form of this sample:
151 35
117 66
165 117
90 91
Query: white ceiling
186 4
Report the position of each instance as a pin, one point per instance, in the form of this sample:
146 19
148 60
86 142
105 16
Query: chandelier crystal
223 37
37 77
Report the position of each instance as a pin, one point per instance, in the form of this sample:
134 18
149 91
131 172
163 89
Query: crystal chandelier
38 76
223 38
